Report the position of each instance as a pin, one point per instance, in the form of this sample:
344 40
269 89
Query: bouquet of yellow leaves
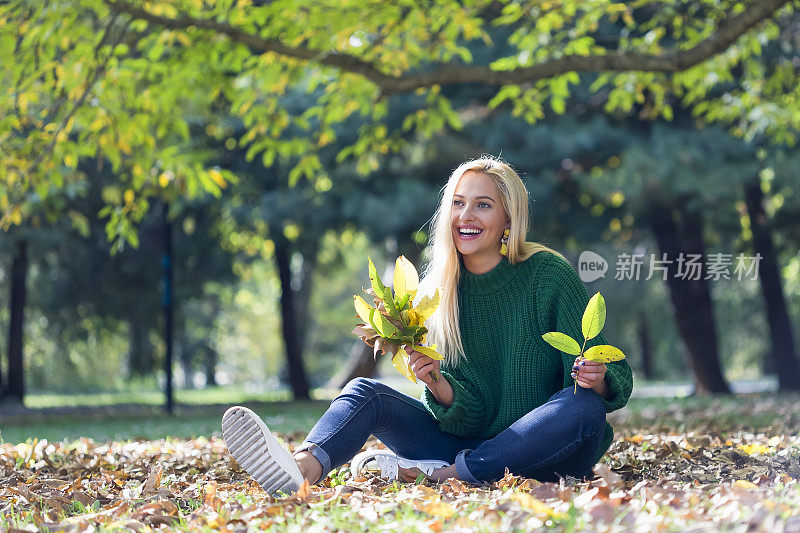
394 322
594 318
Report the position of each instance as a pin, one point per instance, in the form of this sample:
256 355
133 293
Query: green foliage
128 82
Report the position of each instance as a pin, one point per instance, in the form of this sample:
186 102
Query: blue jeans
561 437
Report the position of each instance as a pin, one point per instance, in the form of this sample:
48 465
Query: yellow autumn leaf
562 342
427 306
400 362
362 308
752 449
406 279
594 317
164 178
604 353
429 351
413 317
744 484
128 196
535 505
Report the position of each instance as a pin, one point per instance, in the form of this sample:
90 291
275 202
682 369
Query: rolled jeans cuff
321 456
461 467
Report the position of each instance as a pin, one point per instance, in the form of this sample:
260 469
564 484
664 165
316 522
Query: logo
591 266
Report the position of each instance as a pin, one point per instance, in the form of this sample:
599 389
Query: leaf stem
575 384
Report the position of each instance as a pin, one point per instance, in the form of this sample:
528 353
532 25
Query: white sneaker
389 463
254 447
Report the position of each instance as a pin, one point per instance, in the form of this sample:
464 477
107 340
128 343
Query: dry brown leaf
153 480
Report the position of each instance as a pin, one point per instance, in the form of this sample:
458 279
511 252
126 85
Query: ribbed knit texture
509 370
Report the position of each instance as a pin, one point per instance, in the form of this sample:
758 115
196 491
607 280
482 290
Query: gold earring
504 242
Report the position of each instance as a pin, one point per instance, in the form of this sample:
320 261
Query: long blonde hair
444 268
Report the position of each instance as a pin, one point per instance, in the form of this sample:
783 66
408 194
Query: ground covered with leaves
714 465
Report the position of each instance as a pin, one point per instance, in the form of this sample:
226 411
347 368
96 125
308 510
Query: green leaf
594 317
388 302
377 285
562 342
383 326
604 353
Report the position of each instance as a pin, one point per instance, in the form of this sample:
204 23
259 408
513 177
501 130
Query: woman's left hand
590 375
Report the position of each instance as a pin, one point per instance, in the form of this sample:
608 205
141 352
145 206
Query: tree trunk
291 339
691 298
140 352
210 355
782 353
644 345
15 387
302 298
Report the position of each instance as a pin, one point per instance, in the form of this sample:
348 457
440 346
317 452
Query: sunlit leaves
594 317
604 353
592 322
562 342
87 82
406 279
394 323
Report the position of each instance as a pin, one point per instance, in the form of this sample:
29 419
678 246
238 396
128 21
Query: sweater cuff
463 417
619 386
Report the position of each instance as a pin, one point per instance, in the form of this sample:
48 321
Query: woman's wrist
601 388
442 392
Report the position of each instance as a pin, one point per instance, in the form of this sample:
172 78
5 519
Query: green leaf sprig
394 322
594 318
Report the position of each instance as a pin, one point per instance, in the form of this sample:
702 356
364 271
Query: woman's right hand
422 366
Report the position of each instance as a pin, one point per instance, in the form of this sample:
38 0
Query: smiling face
478 219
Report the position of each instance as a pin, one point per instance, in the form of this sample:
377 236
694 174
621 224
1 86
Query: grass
150 422
210 395
199 414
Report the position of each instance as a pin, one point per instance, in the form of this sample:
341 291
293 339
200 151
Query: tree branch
673 61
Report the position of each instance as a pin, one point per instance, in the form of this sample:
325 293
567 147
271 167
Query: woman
506 399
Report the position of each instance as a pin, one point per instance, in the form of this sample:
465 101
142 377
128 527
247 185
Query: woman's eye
457 202
484 204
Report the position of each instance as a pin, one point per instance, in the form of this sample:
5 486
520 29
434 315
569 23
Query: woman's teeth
465 231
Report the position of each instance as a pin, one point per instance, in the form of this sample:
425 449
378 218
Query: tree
121 79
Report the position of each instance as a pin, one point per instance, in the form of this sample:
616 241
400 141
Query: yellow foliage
752 449
406 279
216 176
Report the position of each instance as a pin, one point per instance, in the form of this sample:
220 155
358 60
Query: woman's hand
422 366
590 375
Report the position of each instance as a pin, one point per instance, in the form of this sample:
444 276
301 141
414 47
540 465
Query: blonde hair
444 268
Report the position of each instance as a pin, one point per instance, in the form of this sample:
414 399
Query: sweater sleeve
465 416
560 308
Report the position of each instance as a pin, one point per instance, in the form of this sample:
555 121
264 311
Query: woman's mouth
467 234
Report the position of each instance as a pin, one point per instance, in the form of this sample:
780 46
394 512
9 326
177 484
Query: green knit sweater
509 370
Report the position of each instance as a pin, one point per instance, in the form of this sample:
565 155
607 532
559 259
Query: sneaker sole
254 447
